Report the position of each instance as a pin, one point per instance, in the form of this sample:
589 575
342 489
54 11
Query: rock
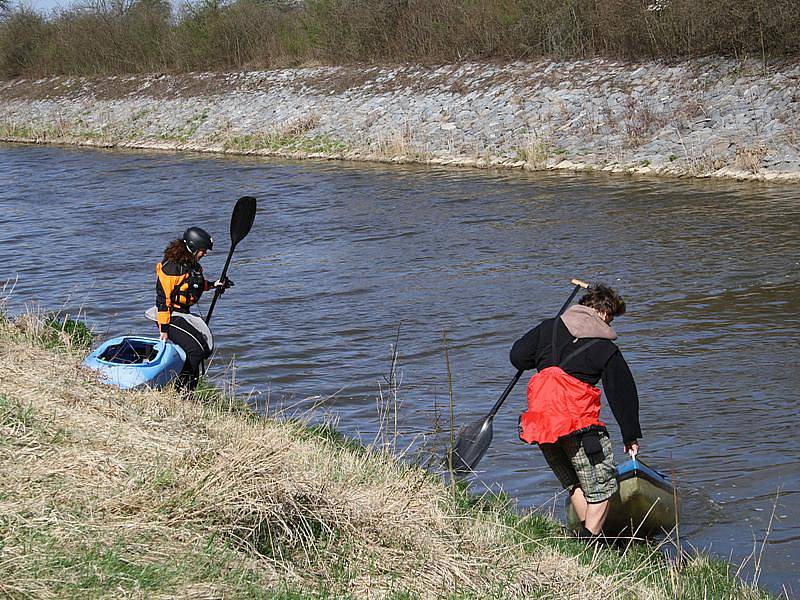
599 109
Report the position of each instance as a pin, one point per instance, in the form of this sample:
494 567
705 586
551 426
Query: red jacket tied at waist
558 404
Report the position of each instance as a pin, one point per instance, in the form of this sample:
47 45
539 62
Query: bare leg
596 515
579 503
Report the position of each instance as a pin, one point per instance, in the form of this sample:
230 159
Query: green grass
277 142
328 433
17 131
14 414
23 423
108 569
77 332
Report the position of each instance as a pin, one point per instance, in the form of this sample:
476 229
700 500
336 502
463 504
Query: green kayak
645 504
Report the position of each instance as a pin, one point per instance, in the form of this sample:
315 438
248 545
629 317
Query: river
347 262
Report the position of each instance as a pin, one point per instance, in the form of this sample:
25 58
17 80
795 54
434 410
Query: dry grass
749 158
106 493
535 150
398 144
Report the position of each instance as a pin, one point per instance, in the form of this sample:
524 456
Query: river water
347 262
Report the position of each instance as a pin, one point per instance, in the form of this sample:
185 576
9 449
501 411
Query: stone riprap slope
710 117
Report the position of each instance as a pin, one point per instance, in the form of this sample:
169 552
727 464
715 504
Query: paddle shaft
578 285
505 394
218 291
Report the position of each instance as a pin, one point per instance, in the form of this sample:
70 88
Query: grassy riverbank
105 493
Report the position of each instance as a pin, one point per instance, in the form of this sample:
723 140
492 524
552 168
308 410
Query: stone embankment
704 118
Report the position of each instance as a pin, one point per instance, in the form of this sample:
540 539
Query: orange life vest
178 289
558 403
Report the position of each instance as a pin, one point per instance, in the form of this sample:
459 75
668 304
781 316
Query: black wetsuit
178 287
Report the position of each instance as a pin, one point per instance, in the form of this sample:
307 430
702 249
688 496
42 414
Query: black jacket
602 360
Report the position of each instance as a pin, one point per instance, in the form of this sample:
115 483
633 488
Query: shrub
117 36
21 37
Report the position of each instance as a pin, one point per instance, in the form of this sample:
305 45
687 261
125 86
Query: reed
107 493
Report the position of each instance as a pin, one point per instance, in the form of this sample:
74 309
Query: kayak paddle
474 439
244 213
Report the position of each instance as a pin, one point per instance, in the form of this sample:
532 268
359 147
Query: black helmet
196 239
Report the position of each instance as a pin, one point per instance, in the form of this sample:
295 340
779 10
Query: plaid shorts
595 474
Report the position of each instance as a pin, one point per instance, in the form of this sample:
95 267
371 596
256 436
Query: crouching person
180 283
572 353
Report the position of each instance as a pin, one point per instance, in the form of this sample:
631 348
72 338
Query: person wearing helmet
179 284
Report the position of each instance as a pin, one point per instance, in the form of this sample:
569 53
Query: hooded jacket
603 360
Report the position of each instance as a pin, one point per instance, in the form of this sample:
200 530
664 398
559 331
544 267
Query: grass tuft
147 493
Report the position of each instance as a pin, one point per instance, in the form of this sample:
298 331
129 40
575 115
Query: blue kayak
646 503
131 361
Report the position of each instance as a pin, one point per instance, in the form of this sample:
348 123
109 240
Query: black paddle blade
473 442
244 213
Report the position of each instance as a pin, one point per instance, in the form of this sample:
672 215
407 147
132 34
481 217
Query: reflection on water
342 255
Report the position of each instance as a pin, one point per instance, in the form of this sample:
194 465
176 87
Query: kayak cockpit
130 351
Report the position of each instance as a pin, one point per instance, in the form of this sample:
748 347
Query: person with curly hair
572 353
180 283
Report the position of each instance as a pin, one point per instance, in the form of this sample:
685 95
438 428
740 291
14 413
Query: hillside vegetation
133 36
